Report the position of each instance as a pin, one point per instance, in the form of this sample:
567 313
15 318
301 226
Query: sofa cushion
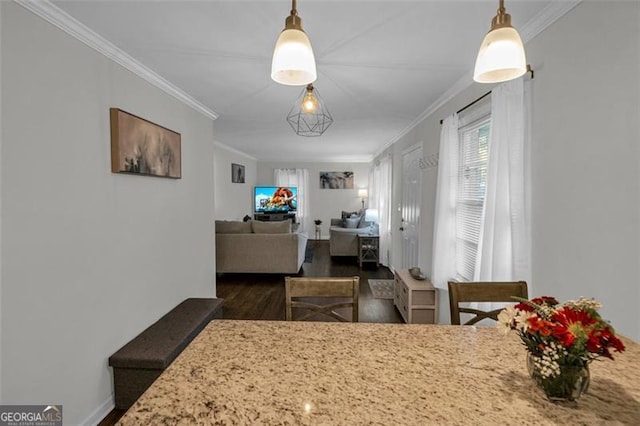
281 227
232 227
352 222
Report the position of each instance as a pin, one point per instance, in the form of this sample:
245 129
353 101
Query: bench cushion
158 345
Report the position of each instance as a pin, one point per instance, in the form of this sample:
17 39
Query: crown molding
547 16
235 151
59 18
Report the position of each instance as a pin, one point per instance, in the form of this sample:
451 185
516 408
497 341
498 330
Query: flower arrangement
561 339
317 221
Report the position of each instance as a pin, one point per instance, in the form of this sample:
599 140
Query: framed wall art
139 146
336 180
237 173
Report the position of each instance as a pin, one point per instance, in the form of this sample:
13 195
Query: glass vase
569 385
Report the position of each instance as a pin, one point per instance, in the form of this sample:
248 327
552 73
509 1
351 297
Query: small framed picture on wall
237 173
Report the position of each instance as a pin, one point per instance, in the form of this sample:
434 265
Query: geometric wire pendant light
501 55
293 63
309 115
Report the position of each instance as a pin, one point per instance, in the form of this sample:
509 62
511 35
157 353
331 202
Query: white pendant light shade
501 56
293 62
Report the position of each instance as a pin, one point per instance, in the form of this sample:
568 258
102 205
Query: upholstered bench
139 363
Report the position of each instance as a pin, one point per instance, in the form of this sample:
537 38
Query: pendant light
293 63
309 115
501 56
309 104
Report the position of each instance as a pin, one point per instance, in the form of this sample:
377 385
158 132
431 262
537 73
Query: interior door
410 207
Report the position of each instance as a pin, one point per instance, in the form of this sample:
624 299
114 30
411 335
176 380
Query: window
472 179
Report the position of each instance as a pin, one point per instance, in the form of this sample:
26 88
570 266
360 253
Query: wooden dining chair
499 291
313 289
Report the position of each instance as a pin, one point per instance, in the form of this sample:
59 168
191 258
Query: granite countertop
304 373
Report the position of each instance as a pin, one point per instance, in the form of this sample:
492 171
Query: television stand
274 217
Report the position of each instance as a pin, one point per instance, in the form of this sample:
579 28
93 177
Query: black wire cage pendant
309 115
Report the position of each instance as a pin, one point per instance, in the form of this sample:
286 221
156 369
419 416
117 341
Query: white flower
521 320
548 363
583 304
506 319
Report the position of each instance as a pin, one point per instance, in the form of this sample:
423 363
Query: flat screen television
275 199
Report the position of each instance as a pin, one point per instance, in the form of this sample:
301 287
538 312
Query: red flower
571 324
564 335
524 307
538 325
600 341
569 317
545 300
593 342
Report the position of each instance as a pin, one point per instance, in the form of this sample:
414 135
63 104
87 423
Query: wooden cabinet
416 300
368 249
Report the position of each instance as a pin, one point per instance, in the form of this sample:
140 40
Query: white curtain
504 250
380 175
300 179
444 230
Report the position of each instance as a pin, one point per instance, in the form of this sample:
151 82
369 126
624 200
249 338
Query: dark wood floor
261 296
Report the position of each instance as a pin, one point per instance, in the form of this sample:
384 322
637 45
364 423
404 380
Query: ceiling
381 64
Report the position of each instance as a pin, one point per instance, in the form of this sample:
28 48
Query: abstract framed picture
336 180
237 173
141 147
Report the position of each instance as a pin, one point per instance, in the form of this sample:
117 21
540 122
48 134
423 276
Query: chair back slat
319 287
500 291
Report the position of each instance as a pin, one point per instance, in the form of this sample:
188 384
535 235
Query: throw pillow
232 227
281 227
348 214
352 222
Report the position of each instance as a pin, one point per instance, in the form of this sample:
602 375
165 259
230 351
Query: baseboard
100 413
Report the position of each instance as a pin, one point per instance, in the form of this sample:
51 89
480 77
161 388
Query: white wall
324 204
586 202
90 258
233 200
586 164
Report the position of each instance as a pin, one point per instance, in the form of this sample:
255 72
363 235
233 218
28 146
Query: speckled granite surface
311 373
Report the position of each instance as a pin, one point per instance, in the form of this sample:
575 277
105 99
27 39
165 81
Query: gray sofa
343 241
258 247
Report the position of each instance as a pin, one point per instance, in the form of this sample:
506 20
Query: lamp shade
501 57
371 215
293 62
362 192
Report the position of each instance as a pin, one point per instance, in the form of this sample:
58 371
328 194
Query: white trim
100 413
412 148
547 16
235 151
56 16
336 159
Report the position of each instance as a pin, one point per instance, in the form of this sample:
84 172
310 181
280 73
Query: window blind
472 177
